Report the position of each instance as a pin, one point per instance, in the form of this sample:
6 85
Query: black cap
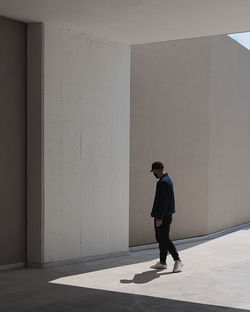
157 165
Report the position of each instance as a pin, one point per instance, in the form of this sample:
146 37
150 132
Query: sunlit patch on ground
216 272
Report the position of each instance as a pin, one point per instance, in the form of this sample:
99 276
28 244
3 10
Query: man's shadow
144 277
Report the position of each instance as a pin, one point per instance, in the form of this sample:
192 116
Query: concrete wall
86 145
190 109
35 130
12 143
229 148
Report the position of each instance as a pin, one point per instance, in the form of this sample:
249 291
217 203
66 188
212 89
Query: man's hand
158 222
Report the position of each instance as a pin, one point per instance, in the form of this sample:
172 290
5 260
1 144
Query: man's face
157 173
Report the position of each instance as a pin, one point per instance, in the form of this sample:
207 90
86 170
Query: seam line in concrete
194 239
12 266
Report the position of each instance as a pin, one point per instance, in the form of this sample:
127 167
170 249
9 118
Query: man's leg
162 246
165 238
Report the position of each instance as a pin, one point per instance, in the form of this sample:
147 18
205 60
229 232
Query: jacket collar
165 174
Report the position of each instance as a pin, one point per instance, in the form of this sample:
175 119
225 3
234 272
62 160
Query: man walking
163 208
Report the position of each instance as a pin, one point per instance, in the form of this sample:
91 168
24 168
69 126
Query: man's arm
164 200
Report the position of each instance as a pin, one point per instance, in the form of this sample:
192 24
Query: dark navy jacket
164 203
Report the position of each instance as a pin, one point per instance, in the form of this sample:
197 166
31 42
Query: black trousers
165 243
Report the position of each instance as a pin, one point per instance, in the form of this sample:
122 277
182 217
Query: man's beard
156 176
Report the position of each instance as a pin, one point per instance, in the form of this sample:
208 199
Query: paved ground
216 277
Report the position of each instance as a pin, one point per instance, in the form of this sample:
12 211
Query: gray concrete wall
189 108
86 145
12 142
229 148
35 185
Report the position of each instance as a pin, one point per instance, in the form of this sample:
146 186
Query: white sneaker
177 266
159 265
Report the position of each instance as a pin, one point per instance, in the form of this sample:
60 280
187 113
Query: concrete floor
216 277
